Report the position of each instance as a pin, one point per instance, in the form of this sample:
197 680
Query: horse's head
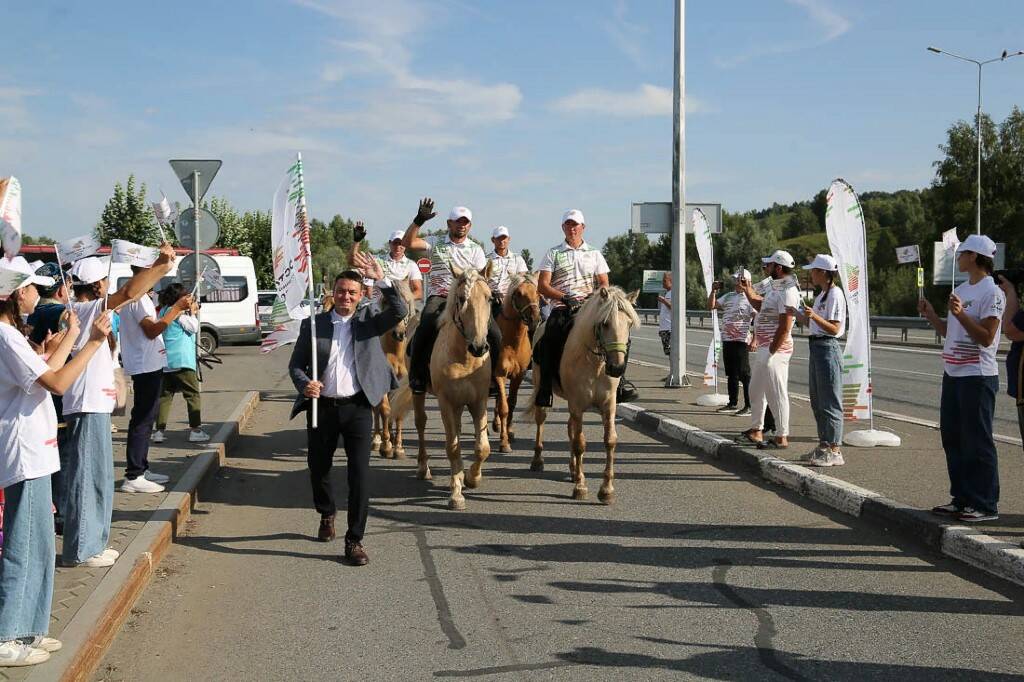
610 310
524 300
469 307
405 293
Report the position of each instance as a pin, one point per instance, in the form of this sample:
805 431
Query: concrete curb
90 632
965 544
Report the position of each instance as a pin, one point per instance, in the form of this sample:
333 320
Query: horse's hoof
606 497
537 465
505 448
457 504
473 482
375 443
400 453
579 493
387 452
424 475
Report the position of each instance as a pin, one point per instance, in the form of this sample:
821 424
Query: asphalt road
907 381
694 573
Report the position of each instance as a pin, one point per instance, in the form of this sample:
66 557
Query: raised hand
359 233
70 322
167 254
426 211
184 303
100 328
925 308
368 265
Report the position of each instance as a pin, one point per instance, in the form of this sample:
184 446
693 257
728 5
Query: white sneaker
101 560
817 452
155 477
140 485
198 436
17 653
837 458
826 458
111 552
48 644
158 437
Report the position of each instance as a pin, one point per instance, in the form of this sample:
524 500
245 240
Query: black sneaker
727 408
951 509
627 392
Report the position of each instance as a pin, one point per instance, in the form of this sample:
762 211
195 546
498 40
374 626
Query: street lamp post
979 64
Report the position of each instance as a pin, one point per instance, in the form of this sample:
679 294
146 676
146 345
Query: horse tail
401 401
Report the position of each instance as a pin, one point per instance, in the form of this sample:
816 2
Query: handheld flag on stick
10 216
951 242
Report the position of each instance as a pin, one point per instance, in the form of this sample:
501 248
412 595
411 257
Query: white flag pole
309 278
64 280
110 262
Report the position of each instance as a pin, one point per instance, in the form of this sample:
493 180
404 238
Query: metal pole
199 278
977 222
677 359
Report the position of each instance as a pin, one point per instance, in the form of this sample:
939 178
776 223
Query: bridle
521 310
457 319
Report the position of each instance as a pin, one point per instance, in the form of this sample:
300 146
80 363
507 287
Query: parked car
264 304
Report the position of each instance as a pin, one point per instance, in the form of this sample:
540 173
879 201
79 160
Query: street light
1006 55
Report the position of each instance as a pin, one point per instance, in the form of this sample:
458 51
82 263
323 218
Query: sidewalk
222 393
913 474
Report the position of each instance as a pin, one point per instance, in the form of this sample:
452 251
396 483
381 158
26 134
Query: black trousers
353 424
736 358
146 387
548 353
422 342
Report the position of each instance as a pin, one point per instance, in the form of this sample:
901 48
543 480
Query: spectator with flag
180 374
737 314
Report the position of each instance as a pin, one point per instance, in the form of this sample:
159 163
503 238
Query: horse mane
597 310
521 277
469 277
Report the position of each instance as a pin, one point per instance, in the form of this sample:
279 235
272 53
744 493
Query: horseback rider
505 264
396 265
569 273
454 249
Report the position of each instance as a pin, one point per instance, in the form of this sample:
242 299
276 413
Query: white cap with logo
574 215
460 212
979 244
88 270
823 261
743 274
499 231
17 273
397 234
782 258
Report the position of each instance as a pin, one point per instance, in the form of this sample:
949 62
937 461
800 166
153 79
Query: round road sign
187 269
209 229
424 265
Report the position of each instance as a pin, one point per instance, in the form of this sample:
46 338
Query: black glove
359 233
496 297
572 302
426 211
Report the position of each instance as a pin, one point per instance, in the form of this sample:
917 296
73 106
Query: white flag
213 279
282 335
950 241
10 216
702 239
163 211
908 254
122 251
844 223
289 240
70 250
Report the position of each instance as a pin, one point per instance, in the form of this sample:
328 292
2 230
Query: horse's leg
540 414
513 397
422 470
452 418
577 445
501 410
385 428
375 443
607 492
482 448
399 447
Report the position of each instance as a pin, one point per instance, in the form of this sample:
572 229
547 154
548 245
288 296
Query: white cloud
829 23
646 100
626 36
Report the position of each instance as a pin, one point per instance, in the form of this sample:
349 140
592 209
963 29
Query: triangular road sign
184 168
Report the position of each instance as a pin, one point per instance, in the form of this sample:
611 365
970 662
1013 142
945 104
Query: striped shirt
781 297
573 270
503 268
444 254
396 271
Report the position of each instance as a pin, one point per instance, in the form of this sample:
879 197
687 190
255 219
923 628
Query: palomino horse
593 360
394 344
518 319
460 377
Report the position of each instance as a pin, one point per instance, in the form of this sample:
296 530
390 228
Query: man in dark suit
354 375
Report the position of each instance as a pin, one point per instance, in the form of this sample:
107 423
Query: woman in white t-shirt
28 457
970 382
827 323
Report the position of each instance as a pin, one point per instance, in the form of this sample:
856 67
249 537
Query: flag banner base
713 400
871 438
676 382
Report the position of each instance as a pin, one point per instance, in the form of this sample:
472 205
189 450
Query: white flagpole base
677 382
871 438
712 400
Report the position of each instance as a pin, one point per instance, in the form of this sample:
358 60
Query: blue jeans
89 486
965 422
26 568
58 477
825 380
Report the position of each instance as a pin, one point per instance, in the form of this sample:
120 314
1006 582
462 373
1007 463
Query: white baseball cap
17 273
823 261
979 244
461 212
499 231
742 274
782 258
397 234
574 215
88 270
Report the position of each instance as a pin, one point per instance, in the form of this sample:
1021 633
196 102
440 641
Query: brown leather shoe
355 554
326 532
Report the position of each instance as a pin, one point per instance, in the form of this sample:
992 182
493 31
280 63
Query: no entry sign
424 265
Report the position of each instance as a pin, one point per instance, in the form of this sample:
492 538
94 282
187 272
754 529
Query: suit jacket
372 368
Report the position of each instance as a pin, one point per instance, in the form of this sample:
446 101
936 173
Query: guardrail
901 324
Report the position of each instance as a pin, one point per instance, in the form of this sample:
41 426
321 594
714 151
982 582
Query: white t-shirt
737 314
396 271
665 313
28 422
782 295
94 390
573 270
139 353
503 269
830 305
444 254
961 355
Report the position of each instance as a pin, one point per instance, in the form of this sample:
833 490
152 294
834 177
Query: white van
227 315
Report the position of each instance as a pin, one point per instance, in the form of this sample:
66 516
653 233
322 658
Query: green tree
527 258
127 216
28 240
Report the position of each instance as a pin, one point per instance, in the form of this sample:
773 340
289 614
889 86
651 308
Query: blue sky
516 109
